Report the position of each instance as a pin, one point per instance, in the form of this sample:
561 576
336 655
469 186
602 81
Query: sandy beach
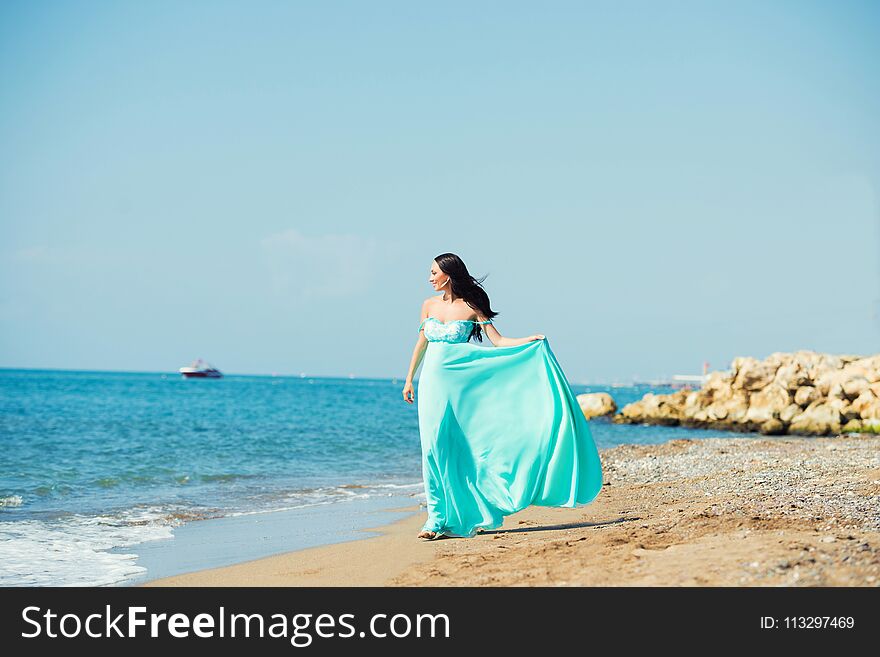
688 512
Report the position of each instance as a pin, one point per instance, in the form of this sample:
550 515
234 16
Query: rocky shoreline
801 393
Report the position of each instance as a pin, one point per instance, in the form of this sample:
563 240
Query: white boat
199 369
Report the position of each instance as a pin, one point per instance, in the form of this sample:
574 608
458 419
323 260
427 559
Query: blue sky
265 184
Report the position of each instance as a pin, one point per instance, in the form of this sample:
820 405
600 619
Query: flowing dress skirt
501 429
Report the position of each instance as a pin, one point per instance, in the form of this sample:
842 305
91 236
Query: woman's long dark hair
467 287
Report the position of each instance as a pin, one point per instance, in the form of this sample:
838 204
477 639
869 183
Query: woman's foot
428 535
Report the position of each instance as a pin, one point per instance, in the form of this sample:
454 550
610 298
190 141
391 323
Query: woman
500 426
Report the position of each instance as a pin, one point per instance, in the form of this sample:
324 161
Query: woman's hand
408 392
538 336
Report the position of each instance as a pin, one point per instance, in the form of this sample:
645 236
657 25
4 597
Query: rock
715 381
842 406
693 402
752 374
866 405
855 387
768 403
848 412
789 412
818 419
596 404
717 411
657 409
792 376
851 426
871 426
636 410
803 392
772 427
805 395
737 407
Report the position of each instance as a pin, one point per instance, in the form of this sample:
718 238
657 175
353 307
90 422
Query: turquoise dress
501 430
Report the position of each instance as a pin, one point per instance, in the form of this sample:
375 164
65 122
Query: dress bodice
455 330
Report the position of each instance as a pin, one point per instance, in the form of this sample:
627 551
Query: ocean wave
11 500
417 484
322 495
73 550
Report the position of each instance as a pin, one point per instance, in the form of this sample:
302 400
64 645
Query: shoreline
353 561
229 540
779 511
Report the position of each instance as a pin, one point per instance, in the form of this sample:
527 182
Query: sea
92 462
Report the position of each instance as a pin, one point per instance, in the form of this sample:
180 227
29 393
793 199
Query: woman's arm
419 350
417 356
499 340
